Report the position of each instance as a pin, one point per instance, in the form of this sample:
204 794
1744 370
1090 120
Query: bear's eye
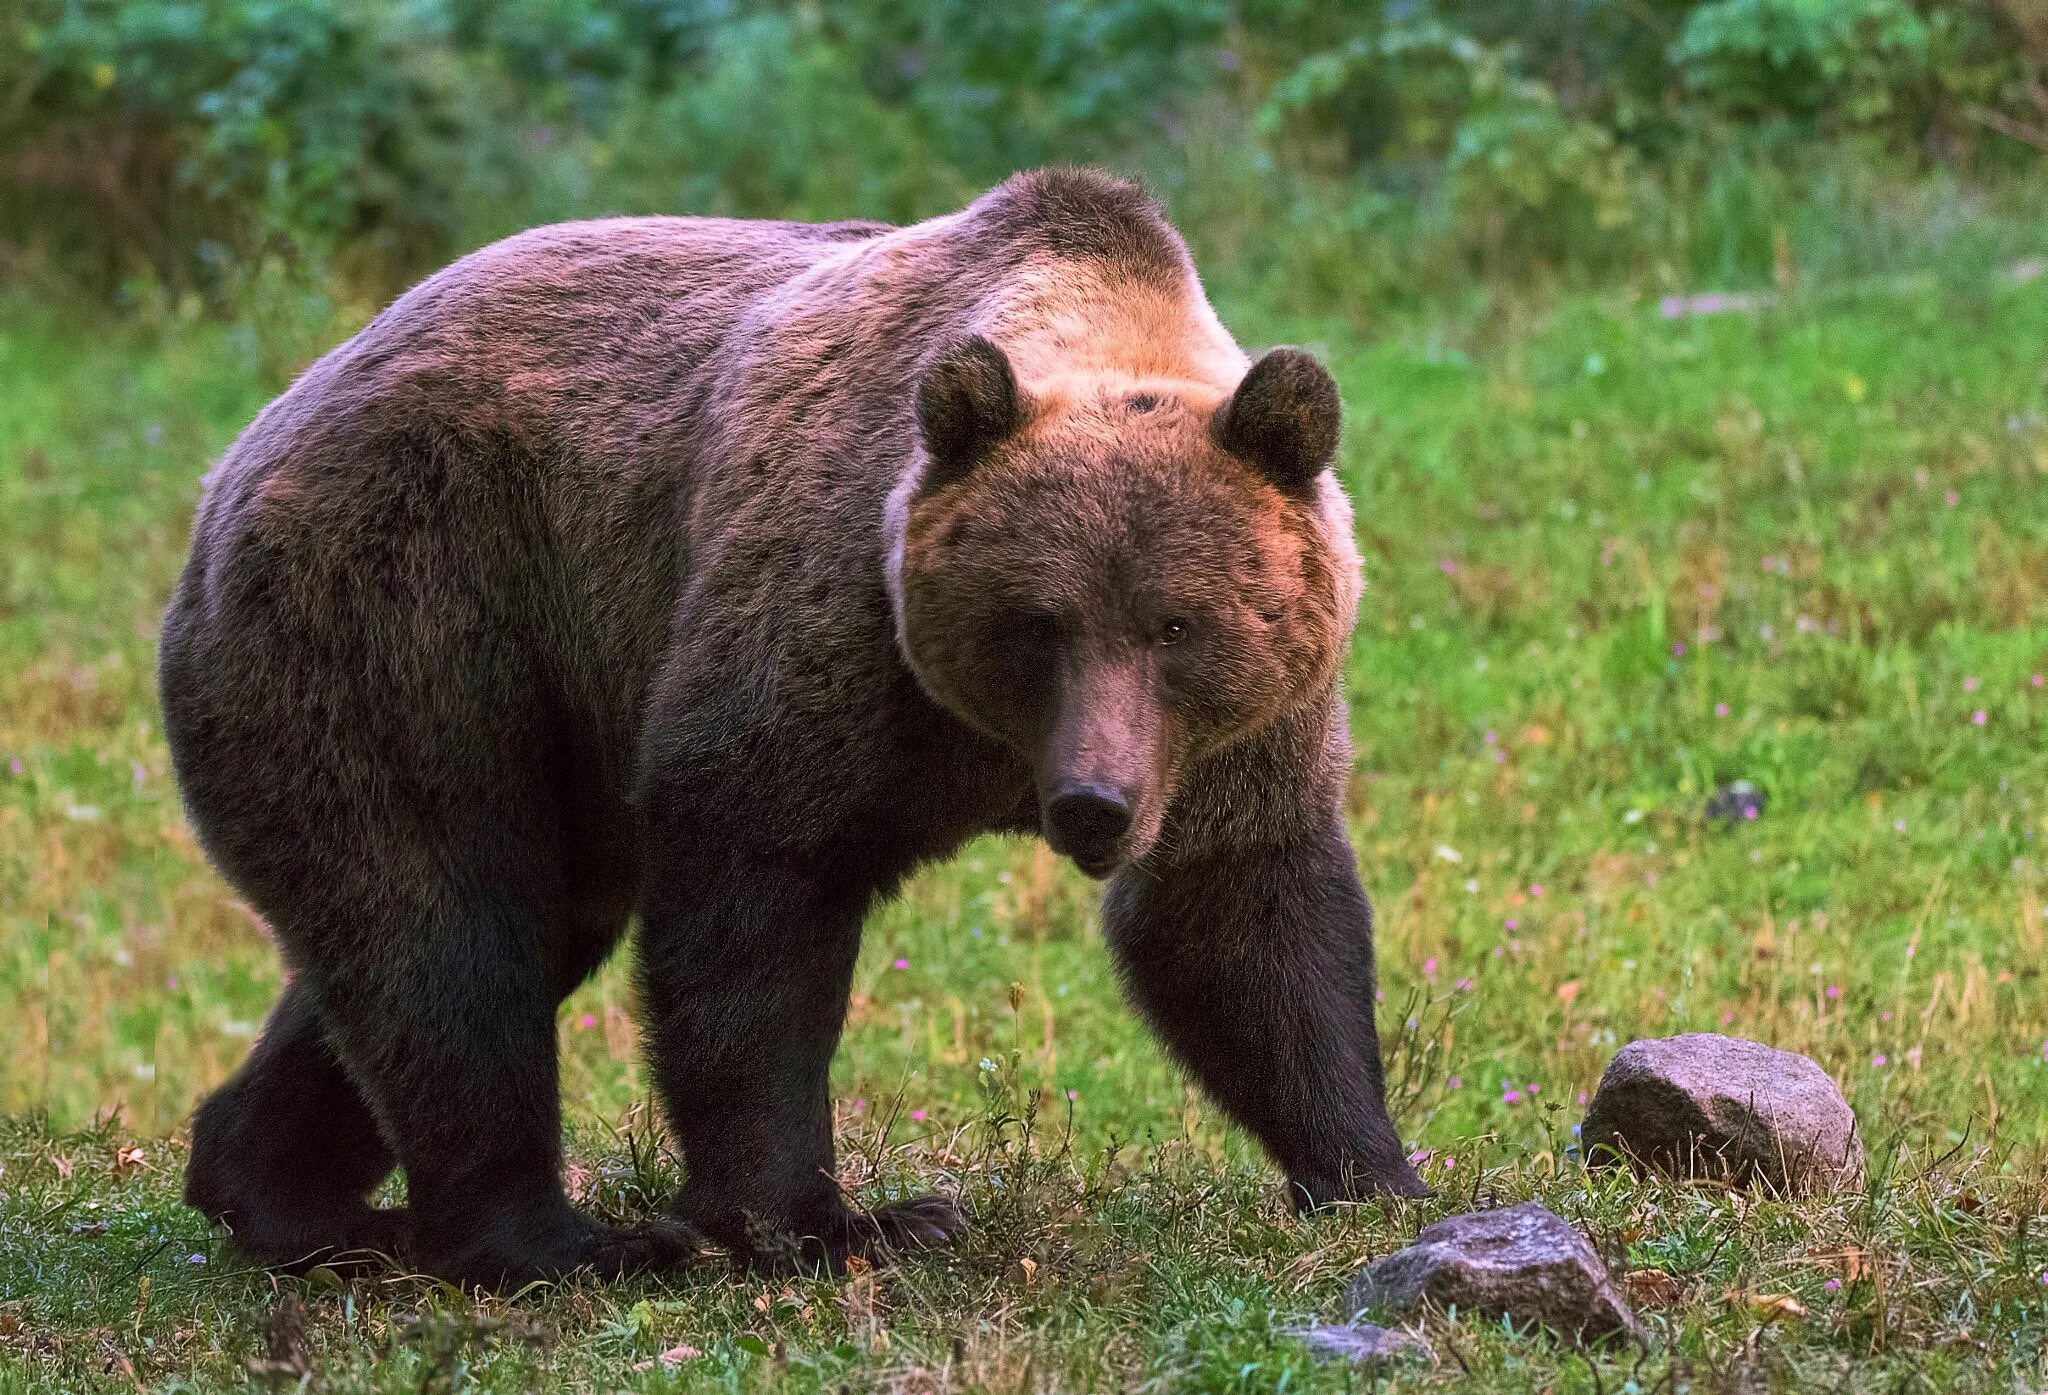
1173 631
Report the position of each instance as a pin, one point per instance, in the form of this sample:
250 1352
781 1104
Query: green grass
1615 560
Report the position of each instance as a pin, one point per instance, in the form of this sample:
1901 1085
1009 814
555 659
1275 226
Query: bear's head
1120 577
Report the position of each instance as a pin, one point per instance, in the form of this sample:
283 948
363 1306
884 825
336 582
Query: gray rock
1361 1343
1703 1105
1737 802
1521 1262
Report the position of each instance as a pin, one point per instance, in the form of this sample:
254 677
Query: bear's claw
916 1223
896 1228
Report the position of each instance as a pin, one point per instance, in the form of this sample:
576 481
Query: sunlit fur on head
1110 513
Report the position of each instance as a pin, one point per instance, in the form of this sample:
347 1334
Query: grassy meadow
1617 557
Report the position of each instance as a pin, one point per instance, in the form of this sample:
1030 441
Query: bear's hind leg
286 1151
451 1030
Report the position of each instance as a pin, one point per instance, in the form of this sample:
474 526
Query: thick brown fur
611 571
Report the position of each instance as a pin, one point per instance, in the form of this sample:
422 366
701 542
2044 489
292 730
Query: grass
1616 560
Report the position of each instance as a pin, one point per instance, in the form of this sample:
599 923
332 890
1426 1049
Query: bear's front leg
745 968
1254 963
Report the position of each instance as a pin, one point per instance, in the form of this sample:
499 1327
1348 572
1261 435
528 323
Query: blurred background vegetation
1328 154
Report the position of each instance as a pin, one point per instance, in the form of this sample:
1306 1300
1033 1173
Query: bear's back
543 449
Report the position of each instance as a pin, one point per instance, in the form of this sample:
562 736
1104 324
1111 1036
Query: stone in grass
1705 1105
1737 802
1361 1343
1519 1262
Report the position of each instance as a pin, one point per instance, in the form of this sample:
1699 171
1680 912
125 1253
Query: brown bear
721 573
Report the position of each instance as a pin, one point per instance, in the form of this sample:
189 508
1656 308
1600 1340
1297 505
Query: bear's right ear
967 404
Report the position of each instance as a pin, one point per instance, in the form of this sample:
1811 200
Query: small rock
1705 1105
1521 1262
1361 1343
1737 802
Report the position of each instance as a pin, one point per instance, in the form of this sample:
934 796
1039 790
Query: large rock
1521 1262
1703 1105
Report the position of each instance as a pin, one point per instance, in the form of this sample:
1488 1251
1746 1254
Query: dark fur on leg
285 1153
454 1039
1250 952
747 971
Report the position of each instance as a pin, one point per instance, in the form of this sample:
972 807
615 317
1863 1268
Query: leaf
1776 1307
749 1343
1652 1288
1852 1263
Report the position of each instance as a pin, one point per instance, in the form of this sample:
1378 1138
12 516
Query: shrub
1390 145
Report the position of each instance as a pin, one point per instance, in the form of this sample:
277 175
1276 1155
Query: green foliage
177 140
316 119
1858 61
1512 164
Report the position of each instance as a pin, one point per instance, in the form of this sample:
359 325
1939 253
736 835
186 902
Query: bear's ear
1283 418
966 405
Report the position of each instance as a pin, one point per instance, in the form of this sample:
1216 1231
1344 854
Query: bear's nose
1086 822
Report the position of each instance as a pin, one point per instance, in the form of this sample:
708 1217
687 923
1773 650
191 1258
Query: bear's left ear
1283 418
967 405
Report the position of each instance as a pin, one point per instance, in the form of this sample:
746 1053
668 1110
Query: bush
179 140
164 133
1855 61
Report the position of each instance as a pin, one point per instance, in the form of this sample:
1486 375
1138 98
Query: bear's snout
1088 822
